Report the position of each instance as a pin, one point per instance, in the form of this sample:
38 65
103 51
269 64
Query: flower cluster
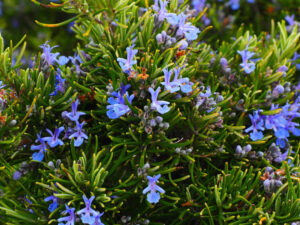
272 180
281 123
87 214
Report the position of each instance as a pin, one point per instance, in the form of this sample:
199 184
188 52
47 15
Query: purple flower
79 135
184 83
50 58
70 220
59 84
162 11
257 124
117 105
157 105
189 31
53 141
246 55
178 83
170 86
224 63
282 69
182 45
199 5
1 86
294 59
76 61
291 22
63 60
98 220
126 64
234 4
17 175
87 213
74 115
153 196
278 90
53 205
42 148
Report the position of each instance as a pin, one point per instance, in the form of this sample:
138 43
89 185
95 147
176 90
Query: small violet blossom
70 220
257 124
76 61
198 5
246 55
50 58
183 44
187 30
162 11
59 83
79 135
42 148
294 59
126 64
234 4
153 196
88 214
54 204
117 103
74 115
1 84
282 69
63 60
157 105
178 83
291 21
53 141
98 220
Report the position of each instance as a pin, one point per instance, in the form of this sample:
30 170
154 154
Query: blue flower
50 58
76 61
53 205
126 64
79 135
199 5
153 196
157 105
70 220
1 84
88 214
74 115
294 59
63 60
98 220
117 105
42 148
170 86
162 11
235 4
53 141
257 124
189 31
282 69
59 83
246 55
184 83
182 45
291 22
17 175
178 83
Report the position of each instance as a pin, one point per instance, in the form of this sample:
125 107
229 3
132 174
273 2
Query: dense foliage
155 118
